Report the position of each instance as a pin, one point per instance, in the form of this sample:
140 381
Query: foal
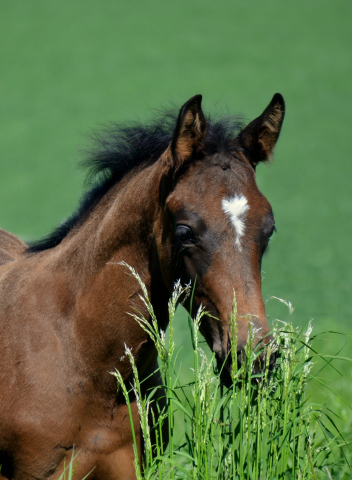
173 200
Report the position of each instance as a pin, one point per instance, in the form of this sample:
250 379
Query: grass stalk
262 427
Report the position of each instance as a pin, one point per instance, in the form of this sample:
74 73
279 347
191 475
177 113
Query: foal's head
215 223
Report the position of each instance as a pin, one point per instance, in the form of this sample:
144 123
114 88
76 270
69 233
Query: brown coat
193 213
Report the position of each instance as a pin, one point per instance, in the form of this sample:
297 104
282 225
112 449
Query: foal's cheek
187 270
164 260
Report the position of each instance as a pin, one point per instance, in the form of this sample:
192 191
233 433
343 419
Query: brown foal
175 200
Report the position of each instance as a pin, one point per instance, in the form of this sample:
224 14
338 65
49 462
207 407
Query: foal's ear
189 131
259 137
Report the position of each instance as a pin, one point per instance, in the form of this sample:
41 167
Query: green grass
263 426
67 67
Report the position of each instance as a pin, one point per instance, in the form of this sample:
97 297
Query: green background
68 67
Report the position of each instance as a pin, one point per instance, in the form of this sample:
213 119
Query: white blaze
236 208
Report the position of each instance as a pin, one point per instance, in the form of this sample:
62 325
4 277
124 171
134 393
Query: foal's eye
184 234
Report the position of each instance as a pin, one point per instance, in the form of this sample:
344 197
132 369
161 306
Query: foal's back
11 247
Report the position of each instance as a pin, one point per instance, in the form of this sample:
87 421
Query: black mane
120 149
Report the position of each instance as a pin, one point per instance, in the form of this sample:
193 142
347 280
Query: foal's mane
120 148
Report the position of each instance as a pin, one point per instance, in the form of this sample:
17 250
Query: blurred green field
67 67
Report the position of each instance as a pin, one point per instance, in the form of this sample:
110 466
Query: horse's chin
225 378
258 366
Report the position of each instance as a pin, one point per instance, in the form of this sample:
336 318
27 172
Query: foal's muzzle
224 363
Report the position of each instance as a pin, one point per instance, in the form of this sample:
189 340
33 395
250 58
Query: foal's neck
119 229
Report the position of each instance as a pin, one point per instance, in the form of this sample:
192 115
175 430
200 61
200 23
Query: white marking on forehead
236 208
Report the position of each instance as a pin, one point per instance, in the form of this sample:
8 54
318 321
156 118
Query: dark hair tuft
120 148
